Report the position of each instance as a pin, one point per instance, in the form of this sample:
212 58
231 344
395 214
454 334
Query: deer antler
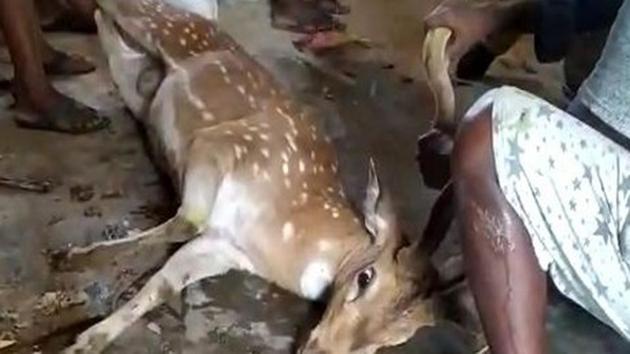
437 63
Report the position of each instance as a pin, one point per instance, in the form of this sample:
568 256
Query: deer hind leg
201 258
176 230
211 157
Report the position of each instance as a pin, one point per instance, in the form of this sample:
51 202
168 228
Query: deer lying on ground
258 185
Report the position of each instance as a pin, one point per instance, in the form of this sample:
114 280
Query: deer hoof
88 342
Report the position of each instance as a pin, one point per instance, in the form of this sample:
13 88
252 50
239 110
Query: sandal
68 117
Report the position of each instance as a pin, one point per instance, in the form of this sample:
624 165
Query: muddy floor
103 186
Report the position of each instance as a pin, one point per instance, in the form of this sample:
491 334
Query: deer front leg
201 258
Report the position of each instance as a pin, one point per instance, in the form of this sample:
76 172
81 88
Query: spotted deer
258 185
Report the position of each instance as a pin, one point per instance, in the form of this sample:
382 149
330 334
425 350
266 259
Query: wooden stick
29 185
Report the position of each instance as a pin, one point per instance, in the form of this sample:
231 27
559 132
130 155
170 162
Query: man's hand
471 24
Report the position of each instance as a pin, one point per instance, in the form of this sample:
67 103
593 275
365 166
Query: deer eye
362 282
364 278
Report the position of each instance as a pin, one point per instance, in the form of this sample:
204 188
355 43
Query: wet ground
372 102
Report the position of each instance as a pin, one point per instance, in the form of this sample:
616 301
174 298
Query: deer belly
235 211
205 8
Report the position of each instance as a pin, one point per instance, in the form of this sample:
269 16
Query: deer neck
317 239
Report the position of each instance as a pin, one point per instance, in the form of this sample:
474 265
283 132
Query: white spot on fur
238 151
291 142
207 116
301 166
324 245
285 169
316 277
263 136
265 152
288 231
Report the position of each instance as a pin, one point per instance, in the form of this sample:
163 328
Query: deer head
381 295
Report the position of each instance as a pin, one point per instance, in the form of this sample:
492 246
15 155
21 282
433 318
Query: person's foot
333 7
57 113
57 63
321 42
307 16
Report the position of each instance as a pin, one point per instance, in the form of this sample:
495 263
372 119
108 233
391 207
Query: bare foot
59 63
321 42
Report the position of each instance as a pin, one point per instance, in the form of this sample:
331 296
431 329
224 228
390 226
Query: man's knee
472 153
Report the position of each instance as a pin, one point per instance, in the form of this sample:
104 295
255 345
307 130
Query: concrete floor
105 185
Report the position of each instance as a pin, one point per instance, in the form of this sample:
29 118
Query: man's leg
508 285
38 104
77 16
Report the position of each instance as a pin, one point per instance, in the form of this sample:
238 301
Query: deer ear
377 208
